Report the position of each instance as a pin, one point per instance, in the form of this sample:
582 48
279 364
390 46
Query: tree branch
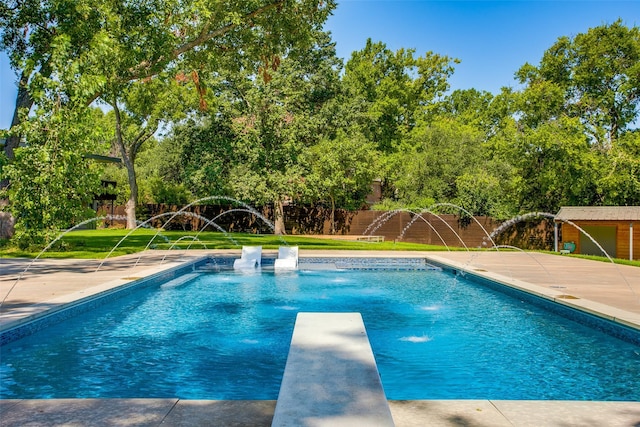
143 69
119 139
142 137
204 36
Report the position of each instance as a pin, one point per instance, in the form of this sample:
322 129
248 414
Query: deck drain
567 297
131 278
480 269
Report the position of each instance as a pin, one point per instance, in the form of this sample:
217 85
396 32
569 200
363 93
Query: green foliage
438 153
481 193
52 183
619 182
389 88
471 107
3 162
556 166
575 139
282 116
342 170
256 107
594 76
133 55
169 193
198 155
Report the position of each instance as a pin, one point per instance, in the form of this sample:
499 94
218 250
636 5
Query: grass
98 243
633 263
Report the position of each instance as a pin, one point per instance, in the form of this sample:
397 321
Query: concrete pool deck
612 290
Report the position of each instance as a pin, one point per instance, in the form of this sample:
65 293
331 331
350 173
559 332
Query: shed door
605 236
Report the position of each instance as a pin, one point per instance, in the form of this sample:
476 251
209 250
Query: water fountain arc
419 216
251 211
519 218
173 245
54 241
382 219
523 217
143 224
468 213
230 199
530 256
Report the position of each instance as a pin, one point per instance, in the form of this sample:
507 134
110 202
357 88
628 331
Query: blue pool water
226 336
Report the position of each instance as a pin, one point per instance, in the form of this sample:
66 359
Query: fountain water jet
144 224
60 236
193 215
509 223
526 216
468 213
386 216
192 238
230 199
529 255
523 217
419 215
269 224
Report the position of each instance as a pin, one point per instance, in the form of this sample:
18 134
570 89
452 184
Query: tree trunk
130 207
128 158
278 220
333 216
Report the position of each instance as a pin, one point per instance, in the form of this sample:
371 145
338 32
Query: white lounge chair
287 258
251 258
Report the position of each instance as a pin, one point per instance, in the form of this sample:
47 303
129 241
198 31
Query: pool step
331 377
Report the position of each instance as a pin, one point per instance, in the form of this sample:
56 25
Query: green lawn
98 243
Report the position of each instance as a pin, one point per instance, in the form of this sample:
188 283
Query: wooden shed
614 228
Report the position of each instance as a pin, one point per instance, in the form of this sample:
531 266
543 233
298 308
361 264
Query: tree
115 45
33 34
391 86
479 109
286 110
52 184
391 91
576 117
342 170
556 166
198 154
619 178
437 152
594 76
138 114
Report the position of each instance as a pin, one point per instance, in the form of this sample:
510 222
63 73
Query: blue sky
492 39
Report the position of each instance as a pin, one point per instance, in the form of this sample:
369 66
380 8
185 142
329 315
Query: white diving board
331 377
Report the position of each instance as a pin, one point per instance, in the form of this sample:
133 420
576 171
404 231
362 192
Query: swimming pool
226 336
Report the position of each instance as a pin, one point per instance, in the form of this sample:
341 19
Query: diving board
331 377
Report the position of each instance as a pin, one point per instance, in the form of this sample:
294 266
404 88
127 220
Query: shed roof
599 213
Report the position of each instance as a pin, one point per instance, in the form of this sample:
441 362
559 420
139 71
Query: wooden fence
446 229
